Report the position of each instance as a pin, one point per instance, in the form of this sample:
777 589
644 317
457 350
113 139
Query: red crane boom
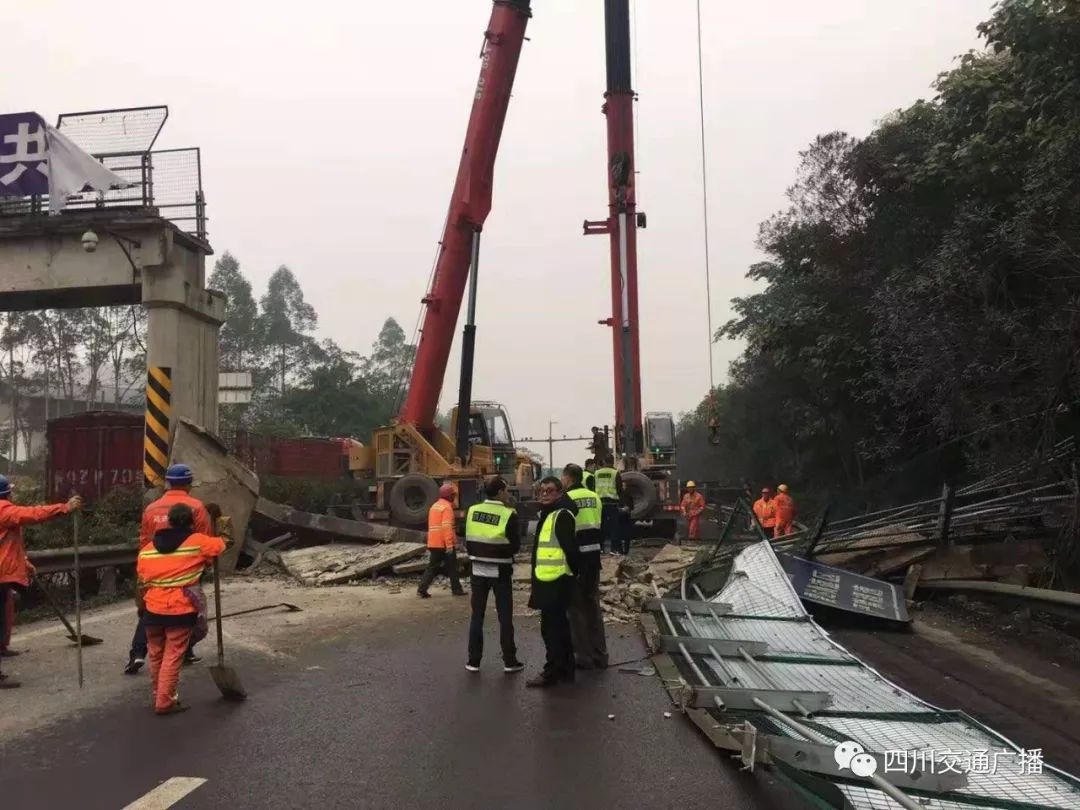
621 226
469 207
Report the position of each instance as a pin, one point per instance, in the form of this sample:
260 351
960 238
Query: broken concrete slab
335 564
219 478
331 527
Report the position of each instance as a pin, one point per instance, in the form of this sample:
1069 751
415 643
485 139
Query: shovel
87 641
225 678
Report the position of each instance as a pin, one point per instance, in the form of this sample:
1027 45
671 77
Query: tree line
919 317
57 362
303 385
54 362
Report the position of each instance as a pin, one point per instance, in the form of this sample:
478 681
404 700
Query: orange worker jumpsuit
785 514
766 513
156 515
15 568
442 547
440 525
170 614
693 504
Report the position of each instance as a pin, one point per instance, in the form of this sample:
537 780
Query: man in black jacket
585 614
492 538
554 560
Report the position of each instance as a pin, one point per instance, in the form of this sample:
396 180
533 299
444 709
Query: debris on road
331 528
626 583
338 564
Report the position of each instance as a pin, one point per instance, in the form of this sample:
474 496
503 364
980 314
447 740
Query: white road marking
167 793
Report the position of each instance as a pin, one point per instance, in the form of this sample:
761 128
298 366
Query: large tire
643 491
411 499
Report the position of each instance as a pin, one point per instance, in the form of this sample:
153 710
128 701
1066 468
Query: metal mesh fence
169 180
106 132
866 707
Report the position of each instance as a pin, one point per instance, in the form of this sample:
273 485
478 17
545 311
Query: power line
705 195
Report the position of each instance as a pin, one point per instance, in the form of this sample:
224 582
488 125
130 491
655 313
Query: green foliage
921 290
310 495
239 336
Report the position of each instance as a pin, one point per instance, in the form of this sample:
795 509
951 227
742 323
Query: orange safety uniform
785 514
14 567
163 578
440 522
766 512
156 515
693 504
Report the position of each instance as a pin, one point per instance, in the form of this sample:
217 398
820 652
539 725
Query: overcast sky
331 133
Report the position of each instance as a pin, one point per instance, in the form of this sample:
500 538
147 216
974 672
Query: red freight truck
92 453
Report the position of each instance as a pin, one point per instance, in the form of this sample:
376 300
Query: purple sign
24 158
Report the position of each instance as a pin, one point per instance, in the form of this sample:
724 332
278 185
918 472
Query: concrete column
183 321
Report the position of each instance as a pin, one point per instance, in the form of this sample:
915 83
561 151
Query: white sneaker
472 667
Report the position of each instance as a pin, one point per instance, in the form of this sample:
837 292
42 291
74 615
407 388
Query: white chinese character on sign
1031 761
924 760
896 761
24 139
949 761
980 762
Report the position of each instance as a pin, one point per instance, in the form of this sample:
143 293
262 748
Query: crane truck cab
408 465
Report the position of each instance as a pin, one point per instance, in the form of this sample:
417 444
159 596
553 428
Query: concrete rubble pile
626 584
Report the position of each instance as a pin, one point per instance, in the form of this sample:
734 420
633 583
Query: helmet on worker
691 485
446 492
766 490
783 487
5 488
179 476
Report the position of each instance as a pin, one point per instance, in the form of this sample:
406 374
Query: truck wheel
643 491
412 497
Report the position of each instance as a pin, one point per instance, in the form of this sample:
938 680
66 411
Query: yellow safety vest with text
588 516
605 484
485 533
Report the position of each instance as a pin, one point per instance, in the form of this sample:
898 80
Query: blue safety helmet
5 487
179 475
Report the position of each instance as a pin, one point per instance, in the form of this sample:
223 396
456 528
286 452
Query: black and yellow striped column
158 414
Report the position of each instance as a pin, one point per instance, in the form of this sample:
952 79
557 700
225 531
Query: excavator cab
659 439
489 427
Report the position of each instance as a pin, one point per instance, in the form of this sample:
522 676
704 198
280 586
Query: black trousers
503 588
587 618
555 630
440 560
6 592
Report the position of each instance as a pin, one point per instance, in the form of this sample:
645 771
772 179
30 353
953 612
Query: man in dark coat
554 560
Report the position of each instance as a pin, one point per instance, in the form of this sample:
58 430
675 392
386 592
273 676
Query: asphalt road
388 718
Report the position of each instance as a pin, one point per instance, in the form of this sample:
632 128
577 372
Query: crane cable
705 196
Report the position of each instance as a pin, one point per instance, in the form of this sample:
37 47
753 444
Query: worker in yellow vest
588 478
585 613
554 560
492 538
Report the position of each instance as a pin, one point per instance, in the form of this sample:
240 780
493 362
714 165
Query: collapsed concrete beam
332 527
219 478
334 565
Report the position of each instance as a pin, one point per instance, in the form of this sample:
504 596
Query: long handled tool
78 594
87 641
225 678
289 608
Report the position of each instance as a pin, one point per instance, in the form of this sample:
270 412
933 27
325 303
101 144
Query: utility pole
551 446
